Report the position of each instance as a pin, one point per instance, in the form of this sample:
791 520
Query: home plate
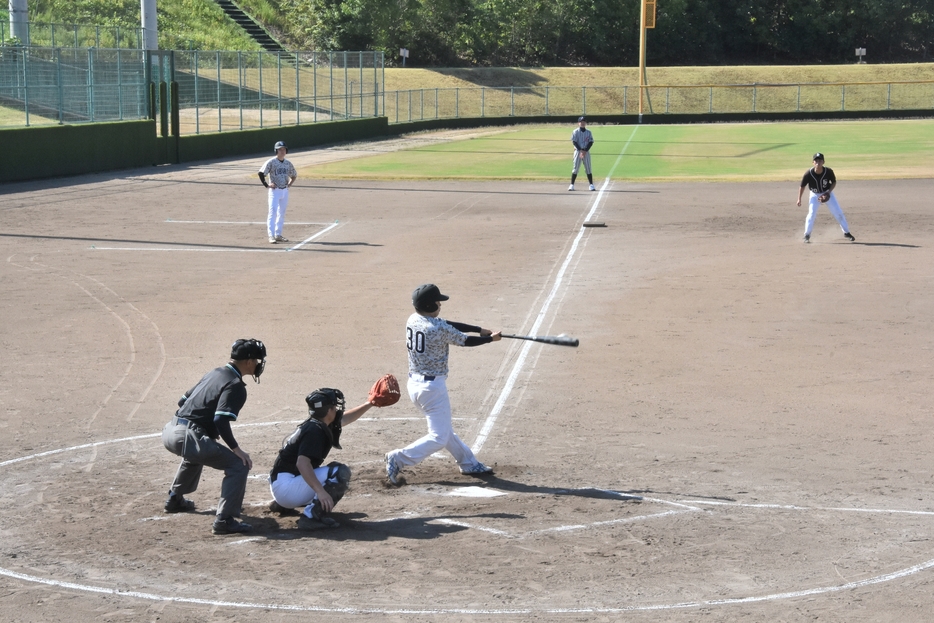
476 492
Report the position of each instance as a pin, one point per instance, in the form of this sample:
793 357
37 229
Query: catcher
298 477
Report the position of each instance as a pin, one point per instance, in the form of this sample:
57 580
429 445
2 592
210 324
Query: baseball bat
557 340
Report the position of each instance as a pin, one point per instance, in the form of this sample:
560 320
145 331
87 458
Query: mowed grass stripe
714 152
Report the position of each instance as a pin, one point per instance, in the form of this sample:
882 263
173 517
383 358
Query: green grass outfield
715 152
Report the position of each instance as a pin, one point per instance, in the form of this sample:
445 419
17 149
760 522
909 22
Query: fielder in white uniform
583 141
821 181
282 175
427 340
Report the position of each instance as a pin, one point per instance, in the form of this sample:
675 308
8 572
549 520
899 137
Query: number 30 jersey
427 340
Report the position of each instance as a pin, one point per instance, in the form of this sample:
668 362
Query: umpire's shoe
230 526
178 504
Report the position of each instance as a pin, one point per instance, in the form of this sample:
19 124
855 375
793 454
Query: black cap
247 349
425 296
581 118
818 156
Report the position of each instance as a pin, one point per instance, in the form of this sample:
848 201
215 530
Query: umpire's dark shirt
220 393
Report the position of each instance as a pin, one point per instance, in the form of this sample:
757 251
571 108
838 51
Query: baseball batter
298 477
821 181
282 175
427 339
583 141
204 415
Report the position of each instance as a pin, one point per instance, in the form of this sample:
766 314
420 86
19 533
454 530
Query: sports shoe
273 241
392 471
307 523
592 187
849 237
477 469
571 187
281 239
230 526
275 507
178 504
807 237
318 514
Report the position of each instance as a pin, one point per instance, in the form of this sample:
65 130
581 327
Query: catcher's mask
319 403
250 349
425 298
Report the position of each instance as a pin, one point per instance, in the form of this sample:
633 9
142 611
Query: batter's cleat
807 237
230 526
592 187
281 239
477 469
571 187
178 504
392 471
849 237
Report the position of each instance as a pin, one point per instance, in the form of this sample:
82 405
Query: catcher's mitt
385 391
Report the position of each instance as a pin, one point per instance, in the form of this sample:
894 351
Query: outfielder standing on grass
298 478
583 141
821 181
427 340
282 175
204 414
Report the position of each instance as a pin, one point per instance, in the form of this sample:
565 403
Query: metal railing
73 36
458 102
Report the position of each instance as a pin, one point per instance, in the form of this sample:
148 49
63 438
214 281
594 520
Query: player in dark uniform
204 415
297 477
821 181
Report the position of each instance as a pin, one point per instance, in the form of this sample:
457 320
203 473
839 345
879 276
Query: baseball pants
291 490
581 156
431 397
831 204
200 450
278 202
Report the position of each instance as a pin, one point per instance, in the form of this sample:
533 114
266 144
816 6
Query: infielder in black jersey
204 415
297 477
821 181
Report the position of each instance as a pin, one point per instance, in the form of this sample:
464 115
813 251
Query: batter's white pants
831 204
278 202
581 156
431 397
291 490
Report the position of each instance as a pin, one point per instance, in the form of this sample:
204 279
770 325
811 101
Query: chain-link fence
71 85
221 91
72 35
452 103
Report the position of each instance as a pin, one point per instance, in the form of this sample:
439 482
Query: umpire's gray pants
198 450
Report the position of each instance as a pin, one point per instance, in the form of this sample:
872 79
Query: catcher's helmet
320 400
281 144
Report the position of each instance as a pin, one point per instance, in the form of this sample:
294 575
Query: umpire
205 413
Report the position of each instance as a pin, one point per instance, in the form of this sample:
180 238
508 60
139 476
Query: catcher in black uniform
298 477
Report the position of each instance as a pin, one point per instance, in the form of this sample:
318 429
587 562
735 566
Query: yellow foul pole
646 21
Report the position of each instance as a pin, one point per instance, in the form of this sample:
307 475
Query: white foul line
310 238
172 220
520 362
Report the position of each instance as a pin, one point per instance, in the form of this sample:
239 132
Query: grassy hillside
401 79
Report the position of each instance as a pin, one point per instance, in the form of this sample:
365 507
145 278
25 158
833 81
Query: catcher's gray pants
831 204
198 450
581 156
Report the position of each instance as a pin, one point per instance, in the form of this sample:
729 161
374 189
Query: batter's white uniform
427 340
279 173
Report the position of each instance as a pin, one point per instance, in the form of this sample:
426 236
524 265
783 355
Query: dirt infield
743 433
